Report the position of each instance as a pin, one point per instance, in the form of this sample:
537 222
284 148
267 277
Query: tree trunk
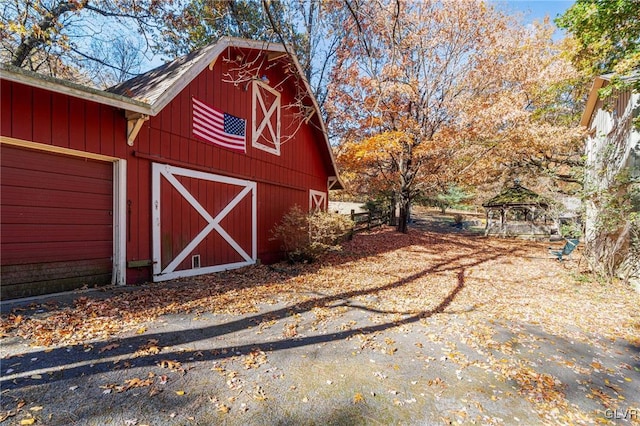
403 216
407 172
34 40
392 209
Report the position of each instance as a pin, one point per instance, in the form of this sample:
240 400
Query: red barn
178 172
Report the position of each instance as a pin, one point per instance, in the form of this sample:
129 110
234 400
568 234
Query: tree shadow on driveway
67 362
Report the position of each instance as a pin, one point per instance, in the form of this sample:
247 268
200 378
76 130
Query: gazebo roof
517 195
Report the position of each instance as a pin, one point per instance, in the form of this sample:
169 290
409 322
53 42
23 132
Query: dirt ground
429 328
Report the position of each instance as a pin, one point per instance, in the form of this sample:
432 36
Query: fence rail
367 220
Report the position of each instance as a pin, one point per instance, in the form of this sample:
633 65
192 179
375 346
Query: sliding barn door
202 222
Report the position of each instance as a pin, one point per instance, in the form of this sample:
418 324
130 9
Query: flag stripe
215 129
218 141
213 121
214 126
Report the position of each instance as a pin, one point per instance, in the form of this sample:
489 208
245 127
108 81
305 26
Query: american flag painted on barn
217 127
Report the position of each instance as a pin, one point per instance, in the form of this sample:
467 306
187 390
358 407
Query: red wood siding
38 115
282 180
55 222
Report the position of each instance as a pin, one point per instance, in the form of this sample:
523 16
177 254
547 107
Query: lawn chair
568 248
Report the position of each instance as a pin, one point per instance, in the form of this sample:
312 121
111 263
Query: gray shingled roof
148 87
517 195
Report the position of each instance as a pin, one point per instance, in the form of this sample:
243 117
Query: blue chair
568 248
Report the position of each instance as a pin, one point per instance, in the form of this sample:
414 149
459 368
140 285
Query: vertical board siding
107 136
283 180
22 112
76 125
42 116
6 107
60 119
91 129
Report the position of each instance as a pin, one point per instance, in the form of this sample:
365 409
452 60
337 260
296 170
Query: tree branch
36 39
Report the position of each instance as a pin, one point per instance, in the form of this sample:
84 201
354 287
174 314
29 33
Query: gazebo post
486 221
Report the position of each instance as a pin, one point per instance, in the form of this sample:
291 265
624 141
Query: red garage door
56 225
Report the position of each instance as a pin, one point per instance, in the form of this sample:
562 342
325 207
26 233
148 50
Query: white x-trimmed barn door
202 222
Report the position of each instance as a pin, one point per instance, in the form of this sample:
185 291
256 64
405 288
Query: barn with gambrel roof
181 171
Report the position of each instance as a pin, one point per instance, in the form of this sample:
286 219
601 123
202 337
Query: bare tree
58 37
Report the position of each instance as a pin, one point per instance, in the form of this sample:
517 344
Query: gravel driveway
349 356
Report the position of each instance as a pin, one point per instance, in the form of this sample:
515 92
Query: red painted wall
282 181
38 115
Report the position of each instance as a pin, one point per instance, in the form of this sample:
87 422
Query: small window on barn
317 201
265 120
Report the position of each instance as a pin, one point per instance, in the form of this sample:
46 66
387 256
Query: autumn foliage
447 94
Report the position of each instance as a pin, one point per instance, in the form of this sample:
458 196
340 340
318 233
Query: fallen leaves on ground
174 366
391 272
109 347
419 275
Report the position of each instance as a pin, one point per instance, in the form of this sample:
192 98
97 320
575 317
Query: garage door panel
38 233
57 216
23 253
28 197
56 181
56 222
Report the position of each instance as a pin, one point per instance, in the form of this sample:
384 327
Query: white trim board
265 128
317 201
119 248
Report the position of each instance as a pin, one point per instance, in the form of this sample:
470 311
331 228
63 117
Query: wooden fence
368 220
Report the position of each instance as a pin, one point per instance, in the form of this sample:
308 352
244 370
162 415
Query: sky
534 9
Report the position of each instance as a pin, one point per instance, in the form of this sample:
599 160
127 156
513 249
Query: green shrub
305 236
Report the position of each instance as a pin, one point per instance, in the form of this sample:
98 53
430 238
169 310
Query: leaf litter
419 275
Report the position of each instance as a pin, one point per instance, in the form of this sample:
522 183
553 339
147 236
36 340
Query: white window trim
317 200
258 129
